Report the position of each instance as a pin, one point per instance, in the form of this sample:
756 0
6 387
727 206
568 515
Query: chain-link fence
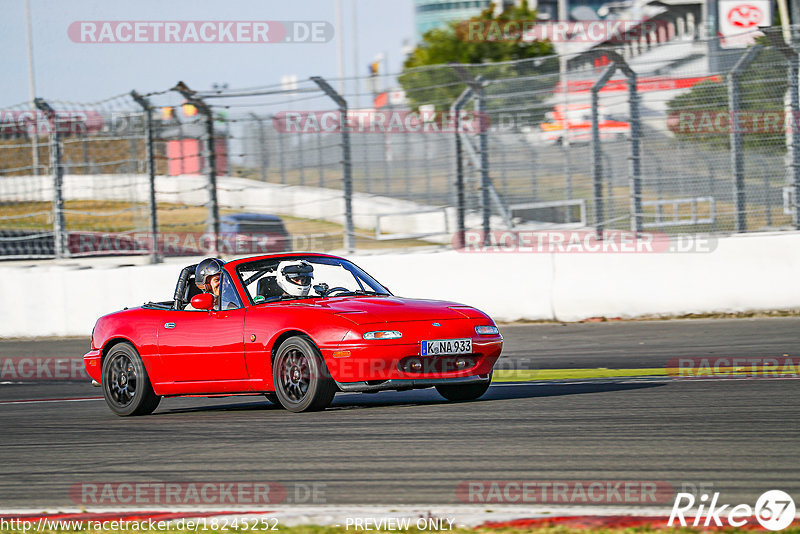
70 176
645 138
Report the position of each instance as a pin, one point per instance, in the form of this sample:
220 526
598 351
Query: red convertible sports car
295 327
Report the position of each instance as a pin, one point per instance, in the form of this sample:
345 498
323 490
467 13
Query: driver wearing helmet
207 276
294 277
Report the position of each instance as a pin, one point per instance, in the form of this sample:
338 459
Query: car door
204 346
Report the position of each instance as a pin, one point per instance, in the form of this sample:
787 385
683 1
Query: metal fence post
387 154
57 168
320 160
349 234
636 163
262 144
794 70
737 154
775 39
365 159
425 158
211 162
406 167
478 88
483 137
597 152
281 158
151 173
300 162
455 112
635 168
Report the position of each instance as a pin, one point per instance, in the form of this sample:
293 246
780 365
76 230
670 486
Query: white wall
750 272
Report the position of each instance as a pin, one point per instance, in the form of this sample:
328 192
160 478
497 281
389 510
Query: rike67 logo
774 510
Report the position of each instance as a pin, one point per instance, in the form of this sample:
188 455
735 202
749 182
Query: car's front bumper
372 362
410 383
91 360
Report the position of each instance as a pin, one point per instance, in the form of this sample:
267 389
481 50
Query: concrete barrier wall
743 273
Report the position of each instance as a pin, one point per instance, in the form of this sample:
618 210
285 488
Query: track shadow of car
504 391
423 397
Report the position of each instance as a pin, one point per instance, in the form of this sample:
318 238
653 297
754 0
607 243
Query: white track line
43 401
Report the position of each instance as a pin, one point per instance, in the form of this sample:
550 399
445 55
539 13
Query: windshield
331 277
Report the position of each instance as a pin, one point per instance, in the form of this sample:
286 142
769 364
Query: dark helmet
207 267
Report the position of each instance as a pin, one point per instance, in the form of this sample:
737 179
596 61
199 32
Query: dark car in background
257 232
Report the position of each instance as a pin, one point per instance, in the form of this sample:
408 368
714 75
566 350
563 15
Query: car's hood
365 310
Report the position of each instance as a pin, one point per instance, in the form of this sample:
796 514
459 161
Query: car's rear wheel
126 386
464 392
302 381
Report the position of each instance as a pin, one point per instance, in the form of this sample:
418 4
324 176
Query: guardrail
525 211
677 219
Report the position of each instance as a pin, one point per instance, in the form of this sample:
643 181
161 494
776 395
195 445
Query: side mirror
321 288
203 301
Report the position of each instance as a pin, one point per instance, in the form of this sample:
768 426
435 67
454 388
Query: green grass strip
530 375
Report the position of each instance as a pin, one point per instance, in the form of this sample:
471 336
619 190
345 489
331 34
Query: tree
492 46
762 87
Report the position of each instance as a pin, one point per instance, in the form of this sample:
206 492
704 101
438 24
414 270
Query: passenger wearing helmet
207 276
294 277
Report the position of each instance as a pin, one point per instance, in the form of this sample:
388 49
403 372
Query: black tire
126 386
273 398
465 392
302 381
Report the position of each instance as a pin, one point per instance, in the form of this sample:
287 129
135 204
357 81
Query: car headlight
383 334
486 330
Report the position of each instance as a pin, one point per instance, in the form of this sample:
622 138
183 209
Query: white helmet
294 277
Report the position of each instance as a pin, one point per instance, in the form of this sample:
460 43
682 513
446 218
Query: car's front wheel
302 381
466 392
273 398
126 386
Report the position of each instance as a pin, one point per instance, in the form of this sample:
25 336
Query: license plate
446 346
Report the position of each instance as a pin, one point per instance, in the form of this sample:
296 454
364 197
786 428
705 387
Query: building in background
430 14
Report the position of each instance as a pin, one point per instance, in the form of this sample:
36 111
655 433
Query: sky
85 72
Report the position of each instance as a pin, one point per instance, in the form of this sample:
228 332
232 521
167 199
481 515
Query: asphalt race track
738 436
